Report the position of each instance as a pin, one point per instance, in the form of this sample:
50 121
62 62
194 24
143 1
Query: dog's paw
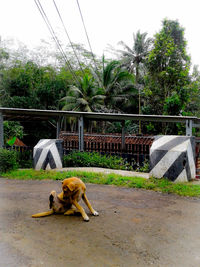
86 218
95 213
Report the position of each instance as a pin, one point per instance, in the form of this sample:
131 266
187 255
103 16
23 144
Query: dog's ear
71 186
51 200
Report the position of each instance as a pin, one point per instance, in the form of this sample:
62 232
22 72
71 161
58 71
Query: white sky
107 21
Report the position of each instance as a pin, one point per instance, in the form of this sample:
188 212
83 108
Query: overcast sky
107 21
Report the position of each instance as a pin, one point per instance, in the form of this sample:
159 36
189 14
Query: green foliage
25 159
168 70
145 167
12 129
116 127
117 85
28 85
85 97
151 77
8 160
172 105
94 159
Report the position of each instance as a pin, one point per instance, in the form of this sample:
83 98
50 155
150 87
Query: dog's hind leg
85 199
43 214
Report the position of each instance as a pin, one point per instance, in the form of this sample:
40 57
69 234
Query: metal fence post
188 127
58 128
1 130
81 133
123 136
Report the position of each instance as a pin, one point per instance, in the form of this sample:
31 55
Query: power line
87 36
68 36
47 22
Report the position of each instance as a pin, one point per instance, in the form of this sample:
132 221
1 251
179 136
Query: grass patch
161 185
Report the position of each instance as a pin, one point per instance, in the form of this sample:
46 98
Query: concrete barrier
173 157
48 154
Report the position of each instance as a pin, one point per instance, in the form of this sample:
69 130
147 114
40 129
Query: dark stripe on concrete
177 167
188 170
155 157
59 146
193 144
174 142
164 149
49 160
37 155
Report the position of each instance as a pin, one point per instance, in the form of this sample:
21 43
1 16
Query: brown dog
73 190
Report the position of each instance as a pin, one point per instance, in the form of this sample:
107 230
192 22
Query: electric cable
68 36
87 38
50 28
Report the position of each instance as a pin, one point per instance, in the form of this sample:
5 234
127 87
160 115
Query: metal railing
136 148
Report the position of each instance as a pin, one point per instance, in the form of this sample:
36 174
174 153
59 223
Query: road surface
135 228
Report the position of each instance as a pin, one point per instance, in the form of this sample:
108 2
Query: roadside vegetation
95 159
159 185
10 159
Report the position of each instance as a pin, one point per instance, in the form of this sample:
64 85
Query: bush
145 167
8 160
25 159
94 159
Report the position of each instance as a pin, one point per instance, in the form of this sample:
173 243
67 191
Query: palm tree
133 58
116 84
85 97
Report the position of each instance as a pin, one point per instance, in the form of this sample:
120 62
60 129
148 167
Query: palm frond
108 70
74 91
98 97
81 101
126 47
68 99
69 106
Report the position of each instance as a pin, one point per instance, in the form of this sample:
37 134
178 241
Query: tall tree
193 105
168 70
133 59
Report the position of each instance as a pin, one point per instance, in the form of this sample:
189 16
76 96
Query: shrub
25 159
94 159
145 167
8 160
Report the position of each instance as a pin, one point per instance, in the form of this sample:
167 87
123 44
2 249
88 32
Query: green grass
161 185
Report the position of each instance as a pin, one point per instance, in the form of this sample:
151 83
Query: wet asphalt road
135 228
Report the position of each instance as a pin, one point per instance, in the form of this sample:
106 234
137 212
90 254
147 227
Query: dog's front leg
71 211
85 199
81 210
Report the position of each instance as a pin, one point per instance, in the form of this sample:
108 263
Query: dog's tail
43 214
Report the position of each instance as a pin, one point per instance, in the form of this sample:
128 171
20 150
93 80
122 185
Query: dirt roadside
135 228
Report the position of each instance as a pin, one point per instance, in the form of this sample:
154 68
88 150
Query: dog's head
69 186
